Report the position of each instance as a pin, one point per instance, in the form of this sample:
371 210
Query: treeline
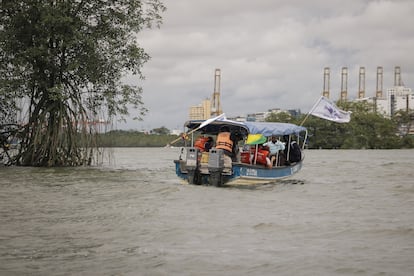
124 138
366 130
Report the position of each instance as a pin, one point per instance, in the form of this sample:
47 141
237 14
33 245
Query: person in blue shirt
274 146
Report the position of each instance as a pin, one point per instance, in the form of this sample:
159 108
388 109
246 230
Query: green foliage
122 138
280 117
161 131
67 59
405 119
366 130
407 142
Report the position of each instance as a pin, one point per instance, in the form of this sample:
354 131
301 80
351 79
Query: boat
199 167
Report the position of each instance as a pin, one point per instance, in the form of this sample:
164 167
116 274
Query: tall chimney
378 93
326 82
361 90
344 84
397 76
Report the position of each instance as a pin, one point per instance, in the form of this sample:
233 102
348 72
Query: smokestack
397 76
326 82
361 91
378 93
344 83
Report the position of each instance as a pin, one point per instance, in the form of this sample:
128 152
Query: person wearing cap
274 145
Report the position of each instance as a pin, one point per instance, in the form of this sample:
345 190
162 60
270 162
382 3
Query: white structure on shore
396 98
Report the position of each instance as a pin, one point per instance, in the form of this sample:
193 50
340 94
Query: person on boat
274 145
295 152
204 143
226 141
292 151
209 143
260 155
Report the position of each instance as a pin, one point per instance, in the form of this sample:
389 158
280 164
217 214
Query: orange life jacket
261 156
245 157
200 142
224 142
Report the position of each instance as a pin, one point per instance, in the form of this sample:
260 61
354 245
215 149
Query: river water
346 213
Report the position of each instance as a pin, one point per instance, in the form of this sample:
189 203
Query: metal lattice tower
215 102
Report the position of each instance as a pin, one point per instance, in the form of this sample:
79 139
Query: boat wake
271 185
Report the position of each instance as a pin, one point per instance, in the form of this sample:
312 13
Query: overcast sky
271 53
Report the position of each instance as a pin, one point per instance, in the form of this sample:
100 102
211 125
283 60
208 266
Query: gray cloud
271 53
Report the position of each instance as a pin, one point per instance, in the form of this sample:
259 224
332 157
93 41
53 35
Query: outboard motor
215 167
192 165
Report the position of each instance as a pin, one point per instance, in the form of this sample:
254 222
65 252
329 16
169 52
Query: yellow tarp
255 139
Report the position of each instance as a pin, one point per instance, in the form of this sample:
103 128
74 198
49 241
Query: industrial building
394 99
397 98
201 111
212 107
208 108
386 103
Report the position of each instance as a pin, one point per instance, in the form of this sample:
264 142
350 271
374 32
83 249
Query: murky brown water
349 213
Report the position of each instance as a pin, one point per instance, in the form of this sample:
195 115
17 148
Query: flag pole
206 122
312 109
181 137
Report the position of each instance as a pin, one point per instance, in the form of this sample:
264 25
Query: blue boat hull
243 174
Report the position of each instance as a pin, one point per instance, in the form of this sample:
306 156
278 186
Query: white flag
220 117
326 109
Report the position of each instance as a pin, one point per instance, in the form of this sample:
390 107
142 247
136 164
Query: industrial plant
386 102
395 98
209 108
